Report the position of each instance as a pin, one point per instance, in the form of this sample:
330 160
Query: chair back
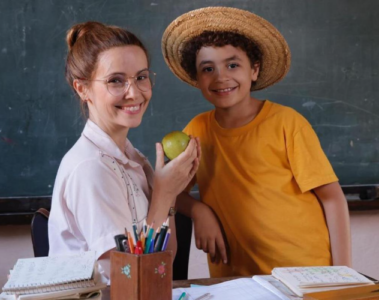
183 237
39 232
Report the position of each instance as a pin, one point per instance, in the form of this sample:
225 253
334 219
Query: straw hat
276 56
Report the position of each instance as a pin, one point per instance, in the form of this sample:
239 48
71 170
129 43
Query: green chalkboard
333 81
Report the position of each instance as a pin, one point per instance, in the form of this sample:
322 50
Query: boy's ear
255 71
81 88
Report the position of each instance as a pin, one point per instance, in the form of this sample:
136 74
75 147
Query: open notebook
267 287
34 278
303 280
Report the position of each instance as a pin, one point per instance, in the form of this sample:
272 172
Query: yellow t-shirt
258 180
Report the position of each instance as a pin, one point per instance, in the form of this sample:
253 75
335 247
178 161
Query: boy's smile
224 75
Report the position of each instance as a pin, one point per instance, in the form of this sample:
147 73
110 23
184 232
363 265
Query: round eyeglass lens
144 81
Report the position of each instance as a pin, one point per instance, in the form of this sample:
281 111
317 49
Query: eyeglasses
118 85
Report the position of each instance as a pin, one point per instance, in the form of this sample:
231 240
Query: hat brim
276 56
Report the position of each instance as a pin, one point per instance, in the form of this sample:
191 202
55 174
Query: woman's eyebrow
115 73
125 74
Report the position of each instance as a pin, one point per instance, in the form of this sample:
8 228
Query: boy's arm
208 233
337 217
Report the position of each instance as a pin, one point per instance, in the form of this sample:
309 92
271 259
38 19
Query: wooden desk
201 281
183 283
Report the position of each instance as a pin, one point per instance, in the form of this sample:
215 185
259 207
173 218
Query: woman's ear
81 88
255 71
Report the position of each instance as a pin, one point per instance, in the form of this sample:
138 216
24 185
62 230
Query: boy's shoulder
277 108
202 117
199 122
285 114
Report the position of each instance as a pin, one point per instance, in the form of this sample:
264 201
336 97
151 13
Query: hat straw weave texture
276 56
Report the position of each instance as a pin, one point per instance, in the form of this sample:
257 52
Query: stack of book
300 283
72 276
316 282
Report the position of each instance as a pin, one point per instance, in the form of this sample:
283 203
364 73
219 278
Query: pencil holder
141 277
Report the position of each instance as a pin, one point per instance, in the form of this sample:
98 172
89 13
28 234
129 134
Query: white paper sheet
241 289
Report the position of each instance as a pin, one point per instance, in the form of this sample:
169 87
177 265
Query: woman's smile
133 109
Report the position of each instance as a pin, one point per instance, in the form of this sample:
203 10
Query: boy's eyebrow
234 57
204 62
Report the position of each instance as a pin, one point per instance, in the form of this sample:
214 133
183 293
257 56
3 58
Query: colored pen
143 240
165 242
144 227
157 234
161 238
131 244
151 250
147 229
125 244
148 240
138 249
203 297
135 232
182 296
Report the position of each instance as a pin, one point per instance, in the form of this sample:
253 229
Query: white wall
365 240
15 243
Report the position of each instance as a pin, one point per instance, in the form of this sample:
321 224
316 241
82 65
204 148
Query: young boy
264 181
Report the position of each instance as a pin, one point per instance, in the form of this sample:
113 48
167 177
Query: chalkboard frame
15 210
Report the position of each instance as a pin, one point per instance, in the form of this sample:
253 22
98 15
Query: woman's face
114 113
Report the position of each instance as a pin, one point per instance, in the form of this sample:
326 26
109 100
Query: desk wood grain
184 283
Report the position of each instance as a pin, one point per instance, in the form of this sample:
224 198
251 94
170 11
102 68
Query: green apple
175 143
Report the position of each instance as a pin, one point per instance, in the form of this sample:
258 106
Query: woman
104 184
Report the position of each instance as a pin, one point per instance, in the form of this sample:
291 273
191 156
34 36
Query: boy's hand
208 234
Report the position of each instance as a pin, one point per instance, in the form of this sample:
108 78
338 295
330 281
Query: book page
241 289
47 271
276 287
319 276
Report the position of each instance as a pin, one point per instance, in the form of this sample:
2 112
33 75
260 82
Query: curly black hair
218 39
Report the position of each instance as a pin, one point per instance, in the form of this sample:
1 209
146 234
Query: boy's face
224 75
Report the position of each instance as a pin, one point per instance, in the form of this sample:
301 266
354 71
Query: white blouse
99 191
